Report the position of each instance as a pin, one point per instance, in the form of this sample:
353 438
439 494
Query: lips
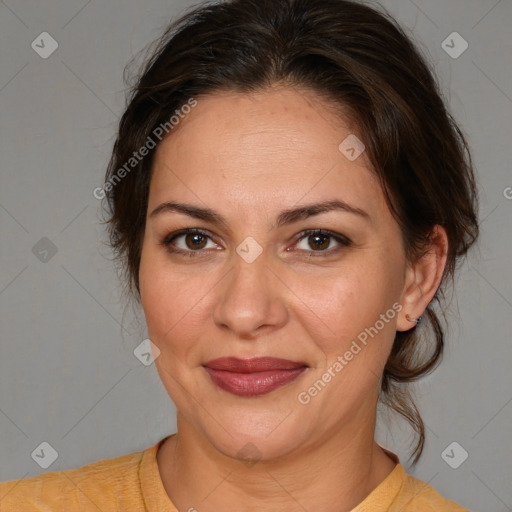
256 364
253 377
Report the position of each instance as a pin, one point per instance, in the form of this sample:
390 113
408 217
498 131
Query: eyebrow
286 217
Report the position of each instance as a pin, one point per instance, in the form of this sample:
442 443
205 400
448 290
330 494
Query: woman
288 196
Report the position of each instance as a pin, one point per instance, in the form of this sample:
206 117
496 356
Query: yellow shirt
131 483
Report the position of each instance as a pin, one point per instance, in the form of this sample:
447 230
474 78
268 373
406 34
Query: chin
252 439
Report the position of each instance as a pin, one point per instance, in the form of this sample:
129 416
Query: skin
248 157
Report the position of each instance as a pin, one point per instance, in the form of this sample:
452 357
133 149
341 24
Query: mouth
253 377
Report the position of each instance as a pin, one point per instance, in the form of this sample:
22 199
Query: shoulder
95 486
418 496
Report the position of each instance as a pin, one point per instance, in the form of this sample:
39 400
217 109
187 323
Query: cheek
172 301
348 304
352 340
347 298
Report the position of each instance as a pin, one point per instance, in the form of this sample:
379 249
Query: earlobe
422 281
410 301
416 321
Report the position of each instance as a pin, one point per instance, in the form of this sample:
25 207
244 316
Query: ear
422 279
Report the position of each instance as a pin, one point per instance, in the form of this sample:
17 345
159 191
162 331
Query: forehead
259 149
278 119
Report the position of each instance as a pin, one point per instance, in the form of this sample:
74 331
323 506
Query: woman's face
255 285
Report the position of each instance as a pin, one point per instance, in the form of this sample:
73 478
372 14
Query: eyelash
343 240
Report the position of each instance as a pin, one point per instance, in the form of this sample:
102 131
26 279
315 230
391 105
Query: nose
250 300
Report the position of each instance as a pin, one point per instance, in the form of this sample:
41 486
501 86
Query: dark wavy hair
355 57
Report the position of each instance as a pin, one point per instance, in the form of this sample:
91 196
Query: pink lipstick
253 377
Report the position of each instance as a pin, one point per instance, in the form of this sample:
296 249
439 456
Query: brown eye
189 242
195 241
318 242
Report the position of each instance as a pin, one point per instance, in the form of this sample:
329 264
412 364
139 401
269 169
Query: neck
333 474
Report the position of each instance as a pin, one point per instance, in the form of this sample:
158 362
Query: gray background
68 375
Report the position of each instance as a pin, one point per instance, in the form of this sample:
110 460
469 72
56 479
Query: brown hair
359 59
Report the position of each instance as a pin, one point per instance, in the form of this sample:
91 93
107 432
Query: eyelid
341 239
186 231
167 241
